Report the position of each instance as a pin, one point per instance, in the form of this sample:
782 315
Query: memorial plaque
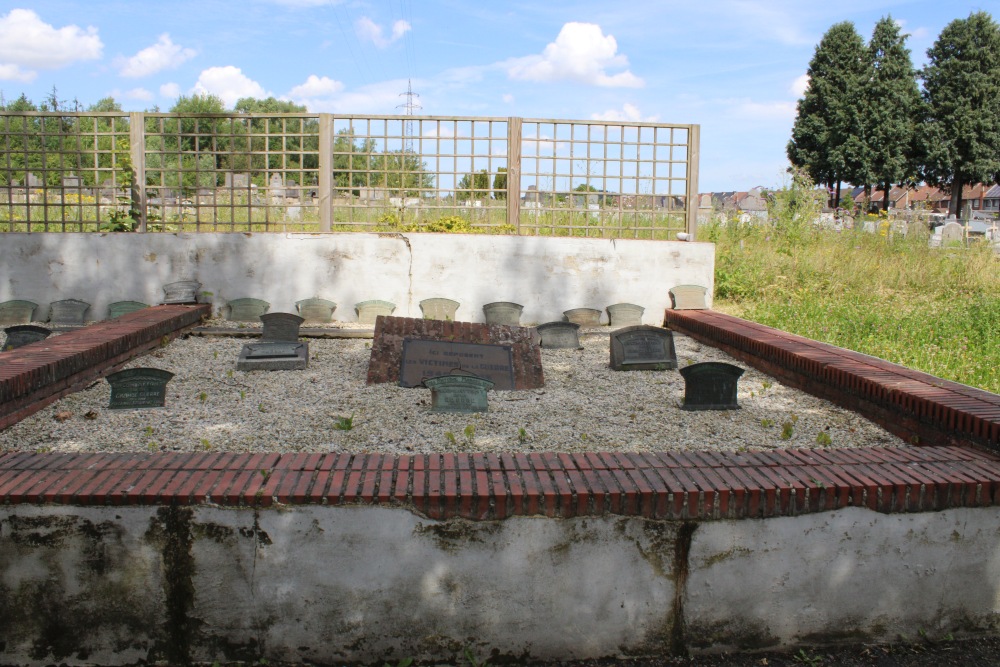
585 317
316 310
625 315
68 312
139 388
643 348
247 310
559 335
23 334
17 311
182 291
423 359
368 311
119 308
273 356
503 312
439 309
280 326
710 386
459 392
689 297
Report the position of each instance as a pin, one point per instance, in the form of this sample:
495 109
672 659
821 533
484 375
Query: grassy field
932 309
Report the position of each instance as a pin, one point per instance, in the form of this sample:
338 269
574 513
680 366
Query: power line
410 107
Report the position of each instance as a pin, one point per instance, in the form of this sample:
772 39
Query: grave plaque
585 317
182 291
459 392
23 334
503 312
16 312
316 310
119 308
625 315
68 312
368 311
439 309
139 388
424 359
559 335
710 386
642 348
281 326
273 356
689 297
247 310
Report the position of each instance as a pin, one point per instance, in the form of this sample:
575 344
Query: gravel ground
584 406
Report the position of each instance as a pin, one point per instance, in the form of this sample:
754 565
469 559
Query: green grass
935 310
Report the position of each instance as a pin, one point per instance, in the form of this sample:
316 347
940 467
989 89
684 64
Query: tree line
869 118
186 152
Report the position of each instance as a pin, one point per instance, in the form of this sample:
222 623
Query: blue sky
736 67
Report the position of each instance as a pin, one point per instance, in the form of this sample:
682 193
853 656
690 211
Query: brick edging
918 407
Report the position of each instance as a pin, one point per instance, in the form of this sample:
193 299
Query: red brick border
920 408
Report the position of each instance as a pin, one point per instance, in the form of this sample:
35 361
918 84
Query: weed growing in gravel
522 435
823 439
450 437
787 430
344 423
470 434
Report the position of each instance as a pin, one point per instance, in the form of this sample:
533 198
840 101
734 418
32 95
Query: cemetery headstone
559 335
625 315
585 317
439 309
182 291
68 312
316 310
642 348
459 392
280 327
23 334
119 308
236 180
423 359
710 385
952 233
17 311
368 311
503 312
139 388
689 297
246 309
33 181
273 356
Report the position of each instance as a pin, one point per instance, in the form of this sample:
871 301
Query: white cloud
749 109
508 98
307 3
315 86
628 112
376 98
917 33
582 53
170 90
372 31
15 73
228 83
798 87
152 59
27 44
138 94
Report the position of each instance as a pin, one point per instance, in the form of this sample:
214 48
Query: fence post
514 173
693 201
325 171
137 153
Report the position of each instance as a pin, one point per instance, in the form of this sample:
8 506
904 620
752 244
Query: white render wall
545 275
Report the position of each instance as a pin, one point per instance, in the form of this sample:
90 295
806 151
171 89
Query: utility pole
410 106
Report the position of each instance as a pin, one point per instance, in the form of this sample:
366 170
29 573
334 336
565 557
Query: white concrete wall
545 275
328 585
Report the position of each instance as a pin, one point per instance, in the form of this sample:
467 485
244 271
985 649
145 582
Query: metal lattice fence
321 172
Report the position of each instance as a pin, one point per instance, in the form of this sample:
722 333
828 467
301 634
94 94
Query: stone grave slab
68 312
23 334
625 315
273 356
182 291
458 392
585 317
710 385
139 388
503 312
689 297
386 359
368 311
316 310
439 309
246 310
952 233
423 359
17 311
643 348
280 326
560 335
119 308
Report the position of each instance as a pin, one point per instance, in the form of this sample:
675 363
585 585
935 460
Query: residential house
991 201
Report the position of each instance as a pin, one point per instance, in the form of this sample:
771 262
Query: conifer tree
960 137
